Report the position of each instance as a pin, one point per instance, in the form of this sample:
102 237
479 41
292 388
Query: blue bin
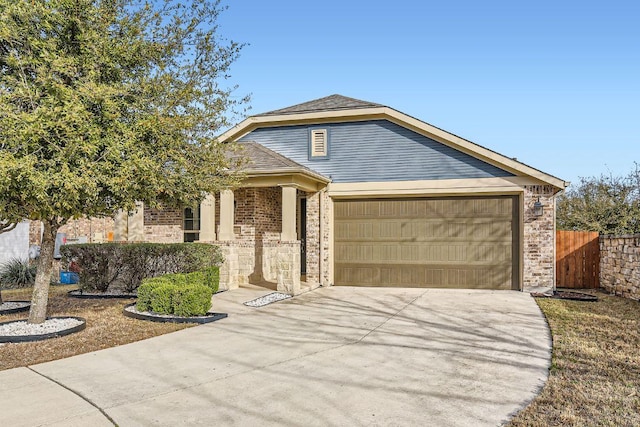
69 277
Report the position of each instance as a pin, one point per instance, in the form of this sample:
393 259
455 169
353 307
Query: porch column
208 219
288 214
120 227
226 215
135 232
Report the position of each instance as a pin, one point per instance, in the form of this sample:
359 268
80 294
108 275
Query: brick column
226 215
120 227
539 238
313 238
208 219
289 202
135 227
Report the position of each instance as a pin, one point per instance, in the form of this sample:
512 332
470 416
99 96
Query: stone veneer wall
539 237
239 256
163 225
281 264
620 265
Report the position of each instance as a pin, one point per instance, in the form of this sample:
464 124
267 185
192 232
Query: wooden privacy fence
577 259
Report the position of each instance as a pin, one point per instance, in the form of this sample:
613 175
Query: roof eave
253 173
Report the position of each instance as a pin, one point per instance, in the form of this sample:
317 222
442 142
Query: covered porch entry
269 228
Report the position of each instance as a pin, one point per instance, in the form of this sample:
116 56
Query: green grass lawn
595 369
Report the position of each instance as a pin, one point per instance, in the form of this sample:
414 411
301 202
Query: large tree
608 204
107 102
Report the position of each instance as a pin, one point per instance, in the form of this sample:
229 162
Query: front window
191 225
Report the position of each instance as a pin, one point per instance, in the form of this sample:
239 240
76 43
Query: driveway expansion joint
80 395
387 319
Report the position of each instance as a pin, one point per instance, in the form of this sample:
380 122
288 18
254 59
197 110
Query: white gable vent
319 143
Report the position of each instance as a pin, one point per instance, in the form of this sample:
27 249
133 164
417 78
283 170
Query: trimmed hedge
124 266
179 294
192 300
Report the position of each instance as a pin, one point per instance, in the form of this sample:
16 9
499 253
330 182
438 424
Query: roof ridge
328 103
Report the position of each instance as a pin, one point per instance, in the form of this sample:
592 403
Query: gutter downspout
321 256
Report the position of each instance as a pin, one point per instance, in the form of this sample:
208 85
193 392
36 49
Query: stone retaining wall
620 265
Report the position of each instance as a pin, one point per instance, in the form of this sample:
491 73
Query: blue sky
554 83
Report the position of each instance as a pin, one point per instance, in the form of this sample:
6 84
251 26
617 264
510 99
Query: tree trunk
40 298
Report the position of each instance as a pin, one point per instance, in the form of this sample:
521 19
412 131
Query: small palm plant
16 273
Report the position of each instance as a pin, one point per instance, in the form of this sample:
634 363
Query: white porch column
120 227
135 229
289 214
208 219
226 215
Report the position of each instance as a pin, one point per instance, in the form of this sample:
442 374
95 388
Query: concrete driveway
335 356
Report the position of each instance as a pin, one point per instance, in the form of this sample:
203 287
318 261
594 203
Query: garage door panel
435 275
423 230
465 243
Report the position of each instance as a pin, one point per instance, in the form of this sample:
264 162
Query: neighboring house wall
15 243
89 230
375 150
160 226
620 265
539 238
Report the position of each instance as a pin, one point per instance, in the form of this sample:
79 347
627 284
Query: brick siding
539 237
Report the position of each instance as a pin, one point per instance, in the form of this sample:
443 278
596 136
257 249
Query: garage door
435 243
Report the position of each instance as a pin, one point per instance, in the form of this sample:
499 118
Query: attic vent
319 143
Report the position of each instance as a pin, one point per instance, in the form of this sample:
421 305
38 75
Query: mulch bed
77 293
569 295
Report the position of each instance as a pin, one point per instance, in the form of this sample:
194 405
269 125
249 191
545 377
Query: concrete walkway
335 356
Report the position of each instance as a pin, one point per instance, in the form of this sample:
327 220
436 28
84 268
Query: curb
208 318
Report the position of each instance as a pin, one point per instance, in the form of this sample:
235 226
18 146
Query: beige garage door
434 243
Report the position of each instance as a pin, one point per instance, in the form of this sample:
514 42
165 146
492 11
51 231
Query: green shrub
124 266
145 293
209 277
161 298
180 294
17 273
100 265
192 300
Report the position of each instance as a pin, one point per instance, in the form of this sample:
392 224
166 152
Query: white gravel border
22 329
267 299
11 305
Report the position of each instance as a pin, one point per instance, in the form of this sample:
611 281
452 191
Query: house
340 191
14 244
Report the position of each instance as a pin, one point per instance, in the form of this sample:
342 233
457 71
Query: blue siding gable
376 150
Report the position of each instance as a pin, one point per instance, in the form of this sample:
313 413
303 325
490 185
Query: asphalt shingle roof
260 159
328 103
